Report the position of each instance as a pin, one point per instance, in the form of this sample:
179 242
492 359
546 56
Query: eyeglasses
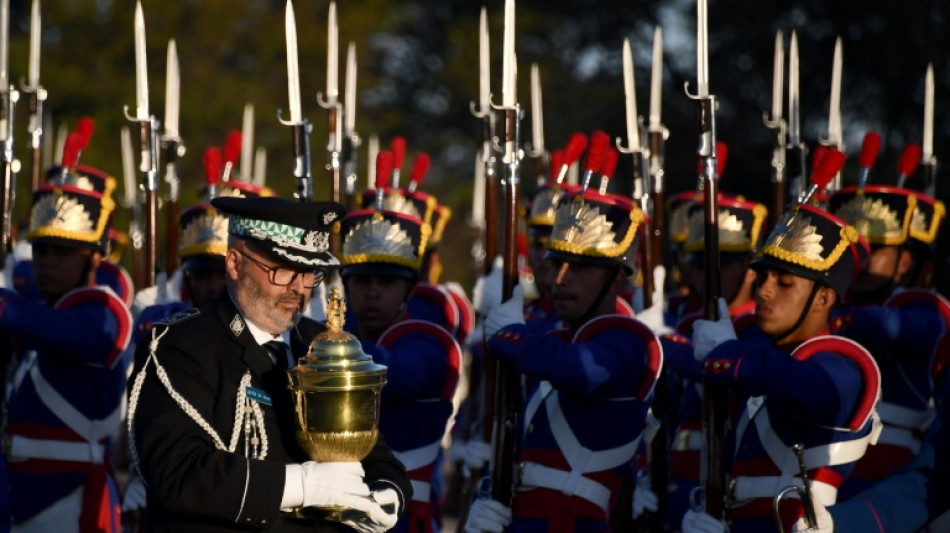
282 276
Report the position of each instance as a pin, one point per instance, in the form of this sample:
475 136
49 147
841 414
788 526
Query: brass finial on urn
336 390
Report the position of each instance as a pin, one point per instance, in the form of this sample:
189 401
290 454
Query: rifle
712 468
777 123
37 95
174 148
507 379
148 162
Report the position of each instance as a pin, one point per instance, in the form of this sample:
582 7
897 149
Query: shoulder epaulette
180 316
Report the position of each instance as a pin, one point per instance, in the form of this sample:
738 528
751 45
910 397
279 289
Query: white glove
644 499
377 519
822 516
339 483
134 499
652 317
487 515
487 291
699 522
477 454
510 312
707 334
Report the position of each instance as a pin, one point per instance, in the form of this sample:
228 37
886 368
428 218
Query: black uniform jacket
194 487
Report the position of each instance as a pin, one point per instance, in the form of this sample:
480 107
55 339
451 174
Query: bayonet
36 96
797 168
537 150
928 159
482 109
300 128
835 137
174 149
351 139
778 124
260 166
247 144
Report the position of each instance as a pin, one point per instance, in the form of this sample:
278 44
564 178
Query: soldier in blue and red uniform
793 383
740 232
901 328
71 361
582 380
381 257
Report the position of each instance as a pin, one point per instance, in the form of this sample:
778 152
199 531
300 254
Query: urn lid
335 359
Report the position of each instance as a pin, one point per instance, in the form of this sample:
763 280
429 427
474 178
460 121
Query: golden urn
336 390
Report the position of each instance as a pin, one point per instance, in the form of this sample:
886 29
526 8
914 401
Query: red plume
384 167
85 127
817 157
232 147
575 146
398 147
832 161
419 167
557 159
722 153
610 163
909 159
595 153
869 149
71 149
212 161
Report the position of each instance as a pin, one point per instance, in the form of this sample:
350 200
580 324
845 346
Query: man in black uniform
211 411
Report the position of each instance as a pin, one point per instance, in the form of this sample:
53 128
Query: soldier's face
780 299
576 287
885 264
376 301
273 308
204 285
60 269
542 269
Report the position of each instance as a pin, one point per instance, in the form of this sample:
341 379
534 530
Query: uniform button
727 365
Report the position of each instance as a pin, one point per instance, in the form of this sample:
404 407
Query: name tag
258 395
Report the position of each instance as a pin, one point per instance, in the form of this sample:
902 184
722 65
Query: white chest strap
417 458
93 430
582 460
901 416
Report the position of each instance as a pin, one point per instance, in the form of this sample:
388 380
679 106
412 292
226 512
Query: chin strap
803 314
589 314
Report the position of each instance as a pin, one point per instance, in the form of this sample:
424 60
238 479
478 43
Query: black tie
279 350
